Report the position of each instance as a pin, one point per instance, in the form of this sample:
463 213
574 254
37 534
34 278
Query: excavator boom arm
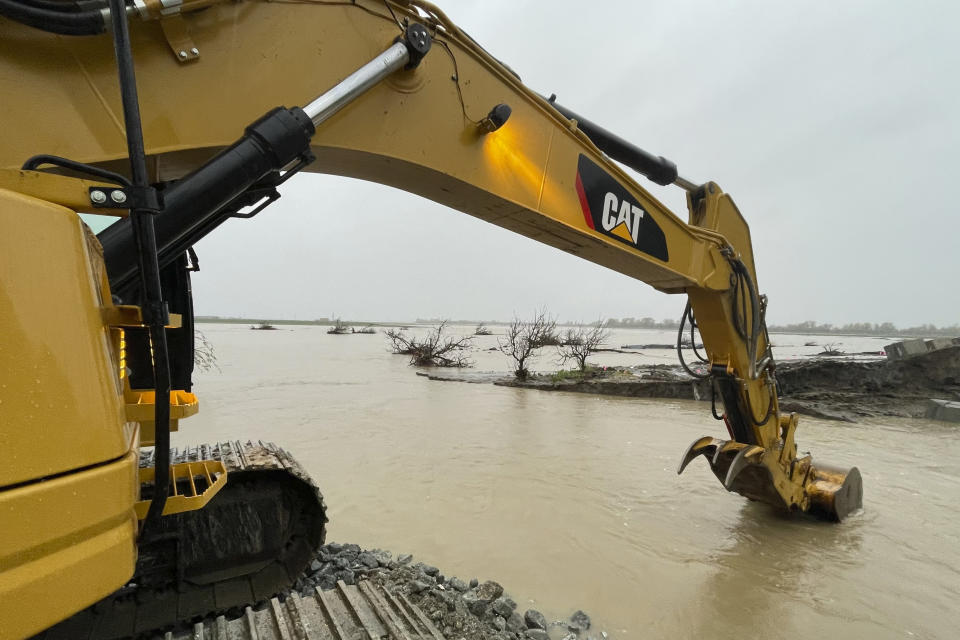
458 127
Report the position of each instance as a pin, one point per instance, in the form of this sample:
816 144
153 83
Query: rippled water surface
572 501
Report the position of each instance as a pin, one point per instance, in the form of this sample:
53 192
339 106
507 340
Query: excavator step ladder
192 486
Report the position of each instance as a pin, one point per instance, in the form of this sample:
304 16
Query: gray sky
834 125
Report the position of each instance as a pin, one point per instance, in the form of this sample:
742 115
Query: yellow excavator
164 115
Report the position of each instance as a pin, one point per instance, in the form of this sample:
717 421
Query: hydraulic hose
153 305
63 22
53 5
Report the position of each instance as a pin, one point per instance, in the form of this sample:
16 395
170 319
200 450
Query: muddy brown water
572 501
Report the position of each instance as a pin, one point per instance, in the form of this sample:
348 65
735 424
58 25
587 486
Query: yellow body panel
66 543
61 404
67 537
67 191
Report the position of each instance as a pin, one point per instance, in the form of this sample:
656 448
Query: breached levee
830 388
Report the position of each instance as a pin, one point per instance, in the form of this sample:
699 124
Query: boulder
418 585
327 582
515 622
368 560
478 598
503 606
489 591
534 619
579 621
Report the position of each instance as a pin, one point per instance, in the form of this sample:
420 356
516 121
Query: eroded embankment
831 388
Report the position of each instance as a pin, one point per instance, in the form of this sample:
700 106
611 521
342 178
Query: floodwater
572 501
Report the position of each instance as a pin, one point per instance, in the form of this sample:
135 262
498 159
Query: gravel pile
461 609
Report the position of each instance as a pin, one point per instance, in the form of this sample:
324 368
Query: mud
829 388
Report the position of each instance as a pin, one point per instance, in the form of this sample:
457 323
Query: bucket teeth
825 491
726 447
701 446
728 459
745 457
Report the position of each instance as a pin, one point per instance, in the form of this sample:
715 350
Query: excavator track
364 611
245 547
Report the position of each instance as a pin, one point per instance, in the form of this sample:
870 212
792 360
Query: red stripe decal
583 203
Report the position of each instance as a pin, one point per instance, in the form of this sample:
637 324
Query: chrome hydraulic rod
406 52
249 170
657 168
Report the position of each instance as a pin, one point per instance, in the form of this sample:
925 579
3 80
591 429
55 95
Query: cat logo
610 209
622 219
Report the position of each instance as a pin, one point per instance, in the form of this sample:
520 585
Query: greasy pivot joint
418 41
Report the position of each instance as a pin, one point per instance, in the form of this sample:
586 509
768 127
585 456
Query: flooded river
572 501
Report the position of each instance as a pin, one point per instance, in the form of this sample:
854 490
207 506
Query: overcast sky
833 124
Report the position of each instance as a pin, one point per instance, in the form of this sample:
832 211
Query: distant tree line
808 326
866 328
641 323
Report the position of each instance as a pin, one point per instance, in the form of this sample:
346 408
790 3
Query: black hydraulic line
713 401
745 282
693 340
767 414
196 204
81 23
35 162
656 168
687 315
61 7
154 310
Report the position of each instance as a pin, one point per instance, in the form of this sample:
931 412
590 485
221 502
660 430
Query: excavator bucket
752 471
834 493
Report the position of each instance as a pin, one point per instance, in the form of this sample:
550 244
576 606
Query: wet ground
571 501
831 387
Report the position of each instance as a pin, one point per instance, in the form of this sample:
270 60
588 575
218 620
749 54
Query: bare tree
523 339
433 350
551 338
367 330
400 342
203 356
831 349
580 341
